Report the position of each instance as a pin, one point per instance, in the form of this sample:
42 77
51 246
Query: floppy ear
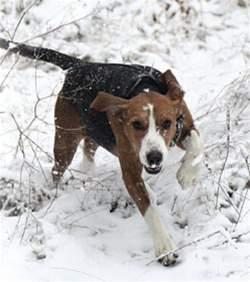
105 102
174 91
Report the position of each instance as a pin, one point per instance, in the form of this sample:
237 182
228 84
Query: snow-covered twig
226 158
194 242
236 238
9 71
247 187
92 13
22 17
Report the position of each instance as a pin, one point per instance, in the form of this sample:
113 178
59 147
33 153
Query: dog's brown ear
105 102
174 89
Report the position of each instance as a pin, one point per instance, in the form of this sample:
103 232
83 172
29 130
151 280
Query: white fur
87 167
151 193
161 239
152 140
191 160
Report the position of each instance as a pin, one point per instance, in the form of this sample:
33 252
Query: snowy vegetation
69 233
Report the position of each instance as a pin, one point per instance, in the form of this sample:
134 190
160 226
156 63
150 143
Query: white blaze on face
152 141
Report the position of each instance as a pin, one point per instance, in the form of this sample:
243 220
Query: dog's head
148 120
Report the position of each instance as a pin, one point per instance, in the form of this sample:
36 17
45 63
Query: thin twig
22 17
247 187
9 71
95 11
225 160
194 242
236 238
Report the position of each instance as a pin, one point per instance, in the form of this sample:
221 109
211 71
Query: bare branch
194 242
22 17
247 187
95 11
225 160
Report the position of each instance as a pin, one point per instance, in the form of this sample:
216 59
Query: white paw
165 246
169 259
186 175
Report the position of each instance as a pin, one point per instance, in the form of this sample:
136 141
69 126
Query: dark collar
179 127
148 80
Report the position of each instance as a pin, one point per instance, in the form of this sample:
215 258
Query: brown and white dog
134 112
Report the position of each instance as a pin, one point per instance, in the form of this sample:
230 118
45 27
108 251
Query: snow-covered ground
70 234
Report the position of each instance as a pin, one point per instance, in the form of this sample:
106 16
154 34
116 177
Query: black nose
154 158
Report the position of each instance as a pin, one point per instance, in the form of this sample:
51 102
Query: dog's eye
138 125
166 124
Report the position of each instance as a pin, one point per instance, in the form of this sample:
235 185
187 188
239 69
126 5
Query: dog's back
84 80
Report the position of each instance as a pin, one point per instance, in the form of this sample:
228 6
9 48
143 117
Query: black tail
59 59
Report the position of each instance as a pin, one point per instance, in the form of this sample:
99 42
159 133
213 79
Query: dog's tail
59 59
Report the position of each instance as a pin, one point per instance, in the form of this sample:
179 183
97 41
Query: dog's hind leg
68 135
64 149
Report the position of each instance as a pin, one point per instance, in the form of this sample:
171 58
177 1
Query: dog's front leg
131 170
191 160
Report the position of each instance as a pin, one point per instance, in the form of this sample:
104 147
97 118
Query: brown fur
121 113
129 120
